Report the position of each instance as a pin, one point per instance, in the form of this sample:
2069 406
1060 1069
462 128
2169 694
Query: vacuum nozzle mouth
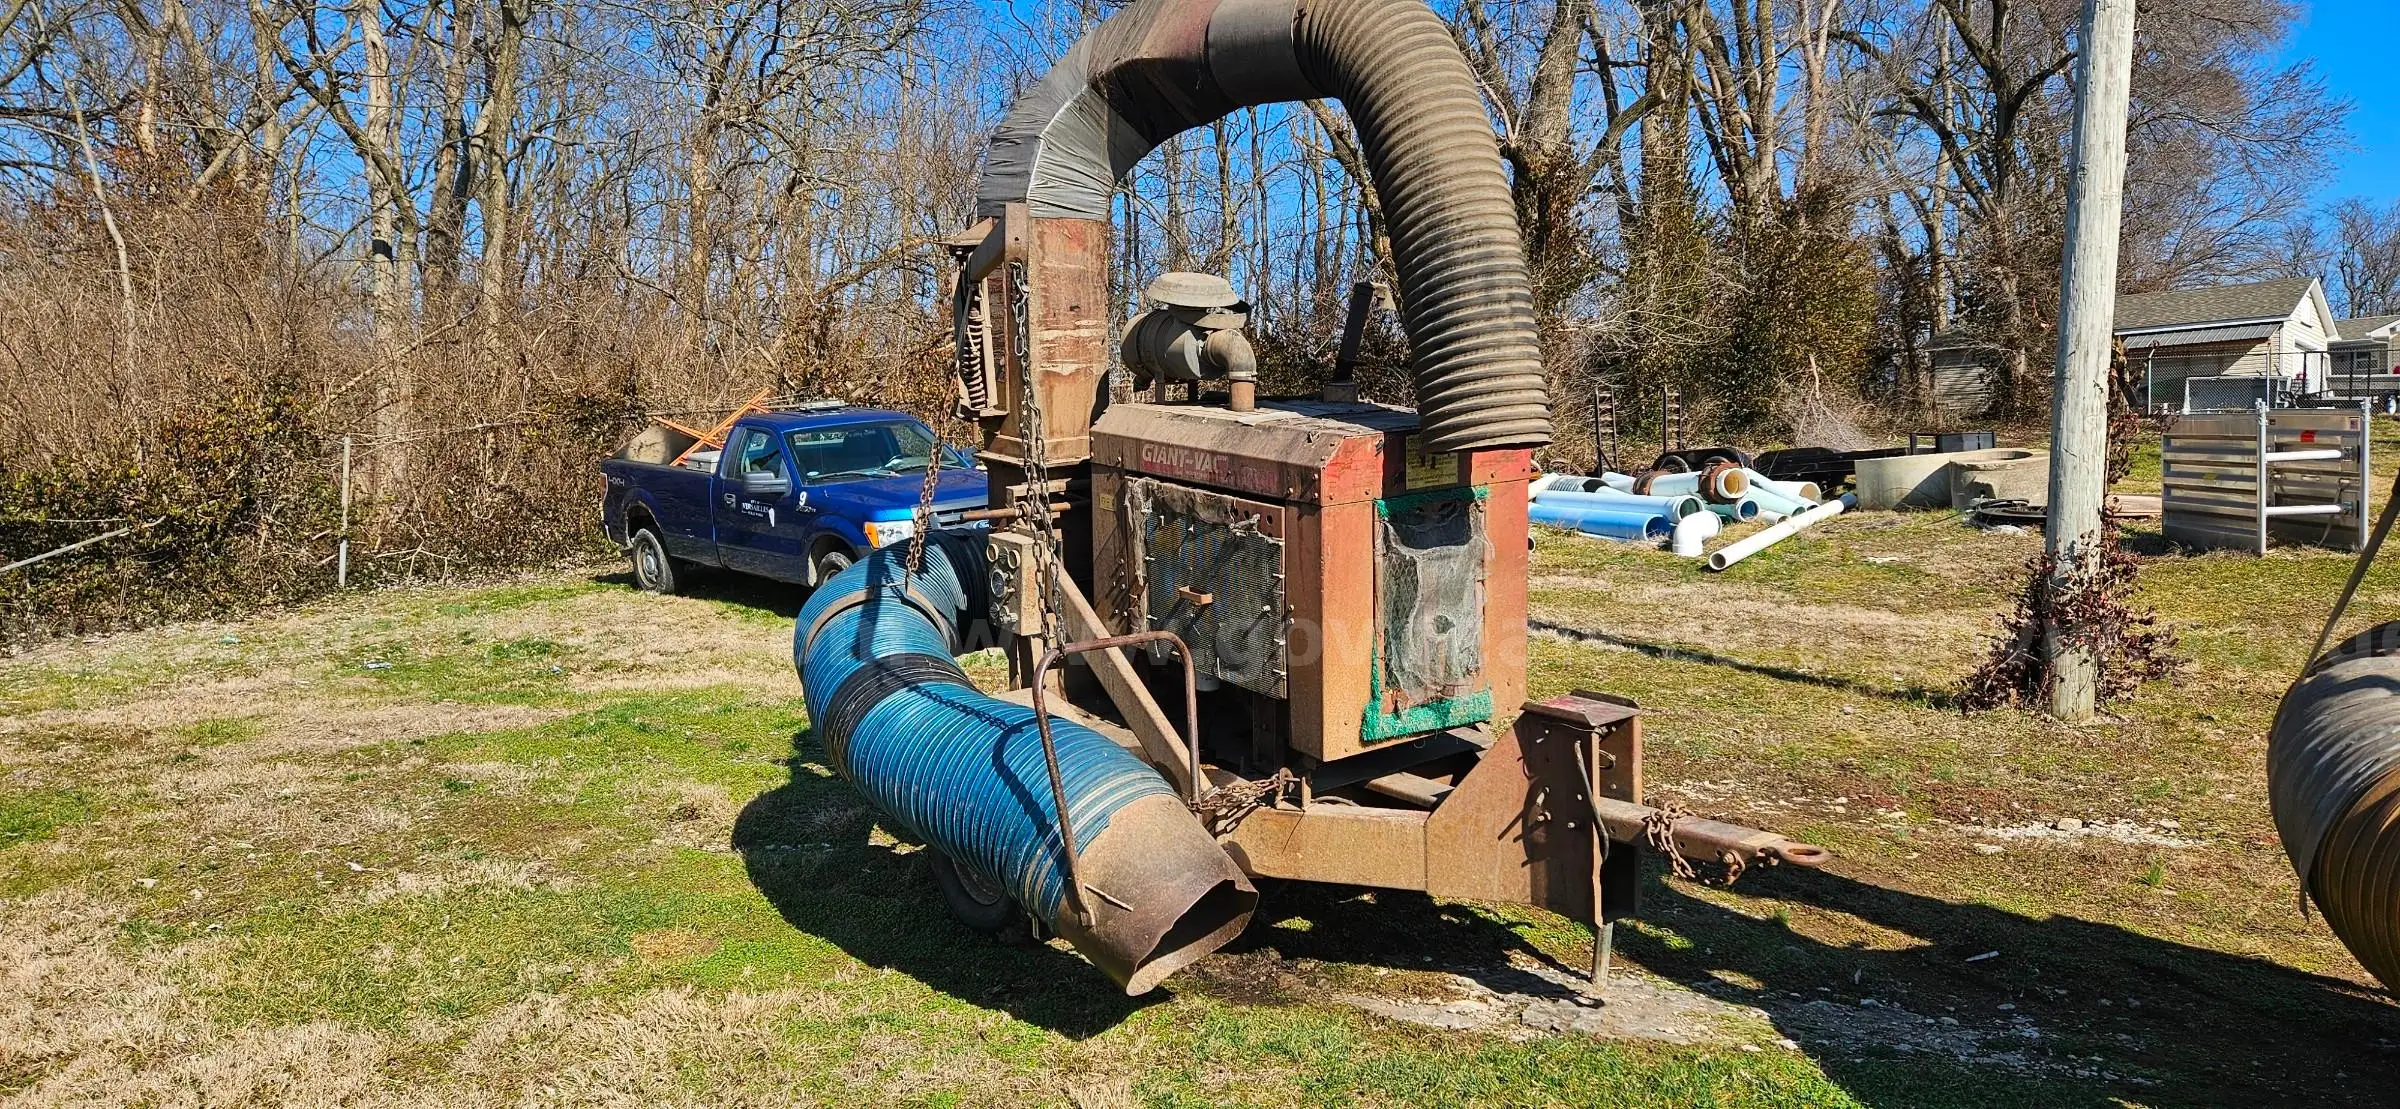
1161 892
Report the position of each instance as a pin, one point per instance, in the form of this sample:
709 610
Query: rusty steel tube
1191 686
1002 515
1174 896
1058 794
2333 783
1699 836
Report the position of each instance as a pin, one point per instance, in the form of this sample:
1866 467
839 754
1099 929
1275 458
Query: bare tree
2367 258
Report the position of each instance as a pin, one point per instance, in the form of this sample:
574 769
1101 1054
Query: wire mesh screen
1211 577
1432 549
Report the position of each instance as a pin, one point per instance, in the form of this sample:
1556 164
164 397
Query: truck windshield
863 450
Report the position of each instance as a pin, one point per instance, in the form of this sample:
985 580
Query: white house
2279 329
2364 356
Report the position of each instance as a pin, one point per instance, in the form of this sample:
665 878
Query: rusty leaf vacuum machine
1247 637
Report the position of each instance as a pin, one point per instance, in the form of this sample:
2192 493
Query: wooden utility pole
2086 321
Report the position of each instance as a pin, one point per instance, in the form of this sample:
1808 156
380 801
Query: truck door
762 520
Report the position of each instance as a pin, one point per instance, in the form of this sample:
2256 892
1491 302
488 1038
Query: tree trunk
453 168
390 259
494 130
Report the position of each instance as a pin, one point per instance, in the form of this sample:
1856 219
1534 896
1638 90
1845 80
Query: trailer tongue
1331 592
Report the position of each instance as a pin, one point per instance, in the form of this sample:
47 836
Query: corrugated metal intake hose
2333 781
965 772
1161 67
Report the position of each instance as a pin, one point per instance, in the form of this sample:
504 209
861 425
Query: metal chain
1034 499
1225 806
924 513
1658 830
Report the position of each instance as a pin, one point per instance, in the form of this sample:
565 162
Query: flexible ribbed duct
2333 781
1161 67
965 772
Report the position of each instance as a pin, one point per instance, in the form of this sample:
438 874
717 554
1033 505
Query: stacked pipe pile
1686 508
1586 505
1652 506
2333 783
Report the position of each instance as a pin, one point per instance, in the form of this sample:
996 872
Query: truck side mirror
766 485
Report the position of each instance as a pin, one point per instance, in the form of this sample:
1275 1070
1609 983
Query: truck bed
678 500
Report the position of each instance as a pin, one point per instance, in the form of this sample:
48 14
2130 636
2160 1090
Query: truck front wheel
653 571
831 562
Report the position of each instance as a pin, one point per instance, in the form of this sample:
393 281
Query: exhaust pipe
967 774
1161 67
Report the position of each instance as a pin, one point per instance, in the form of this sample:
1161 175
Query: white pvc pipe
1806 492
1735 552
1674 508
1771 501
1725 485
1694 530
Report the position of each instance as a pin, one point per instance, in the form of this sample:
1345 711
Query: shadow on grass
2097 1014
1909 694
2180 1025
2151 544
807 846
781 598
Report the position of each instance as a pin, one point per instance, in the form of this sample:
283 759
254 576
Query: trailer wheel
653 571
975 903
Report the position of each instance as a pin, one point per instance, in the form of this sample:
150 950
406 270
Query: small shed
1963 372
2278 329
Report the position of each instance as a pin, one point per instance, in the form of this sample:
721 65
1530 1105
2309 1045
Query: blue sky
2351 44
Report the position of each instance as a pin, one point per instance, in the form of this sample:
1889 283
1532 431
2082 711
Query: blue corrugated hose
905 726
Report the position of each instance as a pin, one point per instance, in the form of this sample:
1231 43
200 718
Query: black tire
1698 458
971 900
653 571
831 562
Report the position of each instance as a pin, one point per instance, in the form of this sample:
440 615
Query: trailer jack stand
1604 949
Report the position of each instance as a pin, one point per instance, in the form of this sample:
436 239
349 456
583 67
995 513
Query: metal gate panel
2209 478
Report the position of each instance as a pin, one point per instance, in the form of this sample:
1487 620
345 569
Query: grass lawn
557 842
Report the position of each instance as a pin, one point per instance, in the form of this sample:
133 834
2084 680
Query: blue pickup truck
794 495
